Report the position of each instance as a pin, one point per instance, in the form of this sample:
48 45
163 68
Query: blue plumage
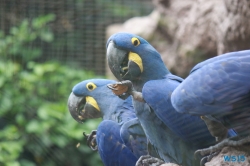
111 147
175 136
120 138
219 87
190 128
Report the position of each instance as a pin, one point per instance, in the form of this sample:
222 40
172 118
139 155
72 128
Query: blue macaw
175 136
120 138
219 90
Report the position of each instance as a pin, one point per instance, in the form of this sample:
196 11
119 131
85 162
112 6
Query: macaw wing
134 137
222 57
157 94
219 86
111 148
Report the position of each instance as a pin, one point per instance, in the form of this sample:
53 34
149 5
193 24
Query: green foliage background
36 127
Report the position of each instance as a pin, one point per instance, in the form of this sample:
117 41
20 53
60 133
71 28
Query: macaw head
131 57
89 99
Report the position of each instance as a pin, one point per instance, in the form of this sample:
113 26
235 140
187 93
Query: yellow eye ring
90 86
135 41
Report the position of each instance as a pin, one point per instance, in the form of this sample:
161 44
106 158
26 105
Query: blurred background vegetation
46 47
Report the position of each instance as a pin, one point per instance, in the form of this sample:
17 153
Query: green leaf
47 36
25 162
10 150
33 127
42 20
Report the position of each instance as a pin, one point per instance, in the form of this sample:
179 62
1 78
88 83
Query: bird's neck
152 72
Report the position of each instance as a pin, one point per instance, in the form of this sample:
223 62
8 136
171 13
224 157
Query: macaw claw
121 89
213 150
208 158
118 88
91 140
124 89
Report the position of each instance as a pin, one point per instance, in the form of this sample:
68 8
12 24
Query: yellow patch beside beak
137 59
93 102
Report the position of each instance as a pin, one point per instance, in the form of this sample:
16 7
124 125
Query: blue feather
111 148
120 137
175 135
219 87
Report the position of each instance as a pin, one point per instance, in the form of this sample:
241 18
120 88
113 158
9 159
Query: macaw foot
91 140
221 145
208 158
215 127
120 89
124 89
148 160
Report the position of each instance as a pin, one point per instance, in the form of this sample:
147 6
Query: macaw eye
135 41
90 86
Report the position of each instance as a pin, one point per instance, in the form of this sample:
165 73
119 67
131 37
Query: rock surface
242 156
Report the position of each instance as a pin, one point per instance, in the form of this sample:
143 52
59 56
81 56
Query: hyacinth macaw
120 138
219 90
174 135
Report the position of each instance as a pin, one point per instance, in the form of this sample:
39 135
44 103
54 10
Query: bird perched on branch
218 89
137 64
119 137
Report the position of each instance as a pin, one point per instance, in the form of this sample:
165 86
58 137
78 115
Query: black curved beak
80 109
117 60
120 63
